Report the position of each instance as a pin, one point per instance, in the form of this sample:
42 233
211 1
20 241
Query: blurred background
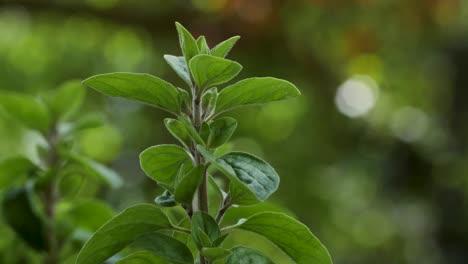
373 157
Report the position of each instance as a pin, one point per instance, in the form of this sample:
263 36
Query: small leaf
26 109
98 170
178 130
192 131
21 217
165 200
201 239
223 48
247 255
209 99
255 91
220 240
215 253
291 236
207 224
162 163
221 131
66 101
142 257
252 179
179 65
202 45
168 248
121 231
187 42
209 70
141 87
14 170
188 185
205 131
185 102
215 195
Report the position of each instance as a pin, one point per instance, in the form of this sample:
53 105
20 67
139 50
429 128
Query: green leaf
162 163
21 217
188 185
14 170
220 240
121 231
255 91
247 255
291 236
165 200
26 109
205 131
191 130
142 257
187 42
215 253
210 70
223 48
252 179
202 45
215 195
203 221
179 65
141 87
201 239
98 170
168 248
66 100
89 215
185 102
209 99
178 130
221 131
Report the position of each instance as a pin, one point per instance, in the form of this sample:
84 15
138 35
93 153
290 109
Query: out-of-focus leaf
291 236
179 65
66 100
222 49
247 255
98 170
255 91
221 131
89 215
209 70
162 163
187 42
121 231
101 143
141 87
142 257
26 109
215 253
21 217
188 185
14 170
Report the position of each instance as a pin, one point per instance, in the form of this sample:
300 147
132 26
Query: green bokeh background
373 156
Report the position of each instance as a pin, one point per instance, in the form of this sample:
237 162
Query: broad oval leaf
162 163
142 257
187 42
188 185
166 247
253 180
221 131
290 235
223 48
209 70
121 231
141 87
20 215
255 91
26 109
178 130
191 130
247 255
179 65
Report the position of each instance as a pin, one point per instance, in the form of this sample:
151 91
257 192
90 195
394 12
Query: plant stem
226 205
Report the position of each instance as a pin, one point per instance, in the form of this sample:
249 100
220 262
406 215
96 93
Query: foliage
42 202
185 172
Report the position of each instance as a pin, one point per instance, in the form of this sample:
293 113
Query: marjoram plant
186 171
